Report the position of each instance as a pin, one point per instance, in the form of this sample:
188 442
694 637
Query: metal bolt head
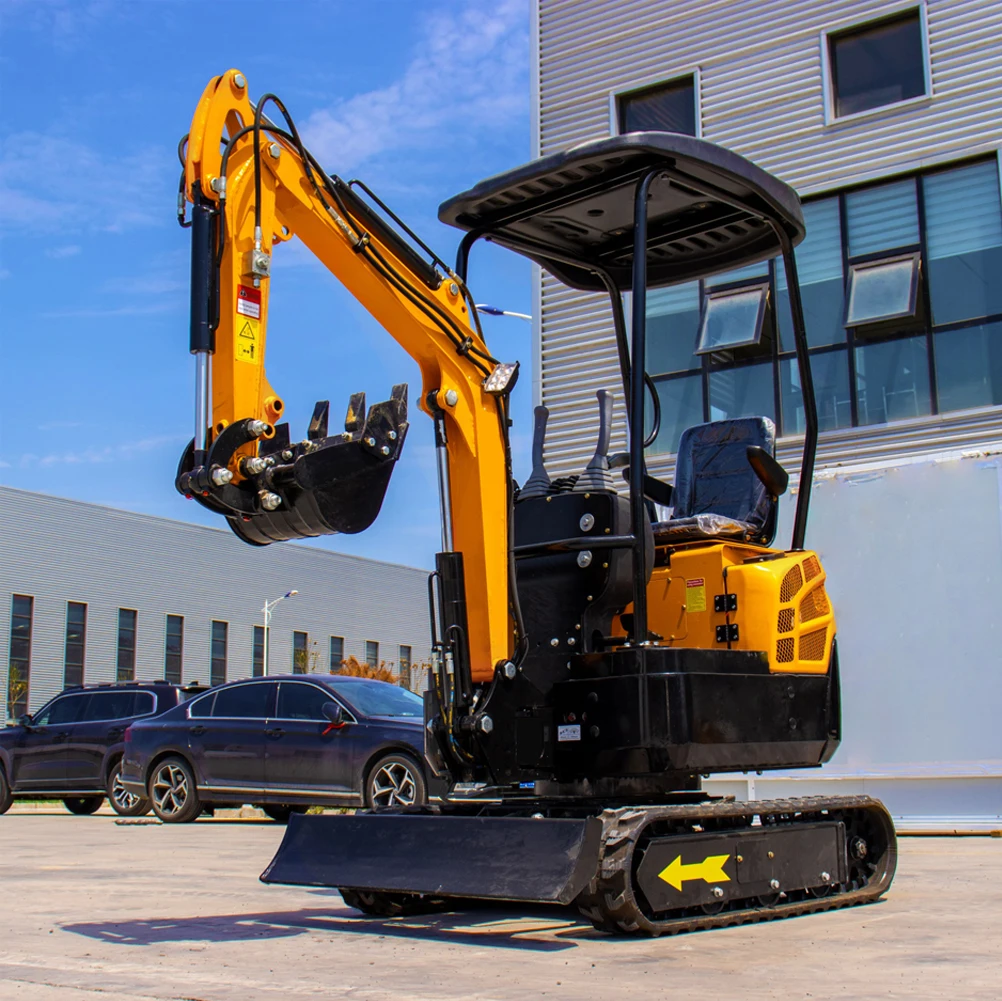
269 501
717 892
392 435
371 442
257 428
451 397
239 81
485 724
287 455
274 151
453 288
385 450
254 465
826 877
774 883
772 854
554 641
509 670
221 476
572 641
584 559
858 848
587 522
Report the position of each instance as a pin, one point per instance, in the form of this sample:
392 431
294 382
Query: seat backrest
713 475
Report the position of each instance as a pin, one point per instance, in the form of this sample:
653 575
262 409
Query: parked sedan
71 749
284 742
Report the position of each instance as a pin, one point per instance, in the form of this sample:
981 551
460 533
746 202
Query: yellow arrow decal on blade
710 870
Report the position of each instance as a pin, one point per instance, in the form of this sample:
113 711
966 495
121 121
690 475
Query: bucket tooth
318 422
354 420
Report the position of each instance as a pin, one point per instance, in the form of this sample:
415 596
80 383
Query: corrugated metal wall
59 550
761 95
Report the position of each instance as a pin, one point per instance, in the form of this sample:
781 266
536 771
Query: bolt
274 151
257 428
485 724
859 848
588 597
593 730
392 435
239 80
741 858
453 288
772 854
371 442
451 397
537 816
774 883
572 641
584 559
554 642
385 450
587 522
826 877
253 466
287 455
218 184
509 670
717 892
221 476
269 501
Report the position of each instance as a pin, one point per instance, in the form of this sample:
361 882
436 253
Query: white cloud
58 253
110 453
468 77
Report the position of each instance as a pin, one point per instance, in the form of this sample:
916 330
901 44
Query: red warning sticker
249 301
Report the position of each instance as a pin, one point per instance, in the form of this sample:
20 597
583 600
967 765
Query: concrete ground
99 909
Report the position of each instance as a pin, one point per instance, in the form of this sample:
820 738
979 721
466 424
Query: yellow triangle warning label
247 343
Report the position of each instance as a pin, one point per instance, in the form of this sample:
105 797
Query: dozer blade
320 486
498 858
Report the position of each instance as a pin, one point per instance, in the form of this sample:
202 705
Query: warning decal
249 301
695 595
247 342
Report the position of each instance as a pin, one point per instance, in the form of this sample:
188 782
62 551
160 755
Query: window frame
652 82
296 633
763 286
828 92
330 652
870 262
255 663
167 617
83 646
118 645
375 643
226 650
267 682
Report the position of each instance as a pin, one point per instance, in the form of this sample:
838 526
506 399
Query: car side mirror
26 721
333 712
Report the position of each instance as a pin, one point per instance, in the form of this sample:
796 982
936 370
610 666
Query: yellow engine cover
782 607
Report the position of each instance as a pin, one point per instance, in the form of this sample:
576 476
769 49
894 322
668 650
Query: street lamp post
266 610
482 307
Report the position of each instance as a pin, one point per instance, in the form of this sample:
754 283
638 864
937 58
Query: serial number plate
569 732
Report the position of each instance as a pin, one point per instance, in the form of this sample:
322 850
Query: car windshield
378 698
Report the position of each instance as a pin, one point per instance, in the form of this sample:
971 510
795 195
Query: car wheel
173 795
83 806
123 802
5 795
280 812
394 781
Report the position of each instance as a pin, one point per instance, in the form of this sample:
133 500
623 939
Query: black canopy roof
709 211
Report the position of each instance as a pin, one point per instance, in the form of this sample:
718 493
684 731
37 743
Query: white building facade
886 117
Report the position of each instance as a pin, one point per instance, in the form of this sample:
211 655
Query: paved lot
94 909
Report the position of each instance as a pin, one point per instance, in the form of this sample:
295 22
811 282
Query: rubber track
609 901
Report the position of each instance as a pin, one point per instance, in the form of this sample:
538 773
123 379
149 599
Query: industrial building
91 594
886 116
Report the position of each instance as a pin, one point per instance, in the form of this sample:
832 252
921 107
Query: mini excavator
592 660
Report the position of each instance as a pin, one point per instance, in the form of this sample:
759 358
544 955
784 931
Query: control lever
596 477
538 483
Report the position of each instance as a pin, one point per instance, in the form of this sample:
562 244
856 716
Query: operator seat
727 483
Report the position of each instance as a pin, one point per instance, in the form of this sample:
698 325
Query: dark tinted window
110 705
67 709
19 665
217 669
200 708
300 653
257 666
877 64
337 653
76 638
378 698
668 107
300 701
174 649
372 653
244 701
126 644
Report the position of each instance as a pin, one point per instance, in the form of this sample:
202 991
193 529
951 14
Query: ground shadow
471 926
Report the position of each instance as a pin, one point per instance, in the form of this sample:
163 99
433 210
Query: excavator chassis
654 870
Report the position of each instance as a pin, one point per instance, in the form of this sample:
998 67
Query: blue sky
419 99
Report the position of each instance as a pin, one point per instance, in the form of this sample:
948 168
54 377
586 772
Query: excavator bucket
320 486
496 858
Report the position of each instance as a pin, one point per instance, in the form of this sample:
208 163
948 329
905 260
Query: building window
126 670
404 662
217 663
19 663
300 653
337 653
76 641
876 64
902 310
665 107
257 665
174 649
372 653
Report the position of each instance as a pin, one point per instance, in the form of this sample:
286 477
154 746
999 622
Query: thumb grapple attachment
320 486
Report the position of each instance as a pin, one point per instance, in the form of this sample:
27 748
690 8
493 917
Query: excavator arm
252 186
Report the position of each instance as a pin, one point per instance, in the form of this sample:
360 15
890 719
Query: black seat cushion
717 493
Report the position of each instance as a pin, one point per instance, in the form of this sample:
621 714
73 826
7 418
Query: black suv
71 749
